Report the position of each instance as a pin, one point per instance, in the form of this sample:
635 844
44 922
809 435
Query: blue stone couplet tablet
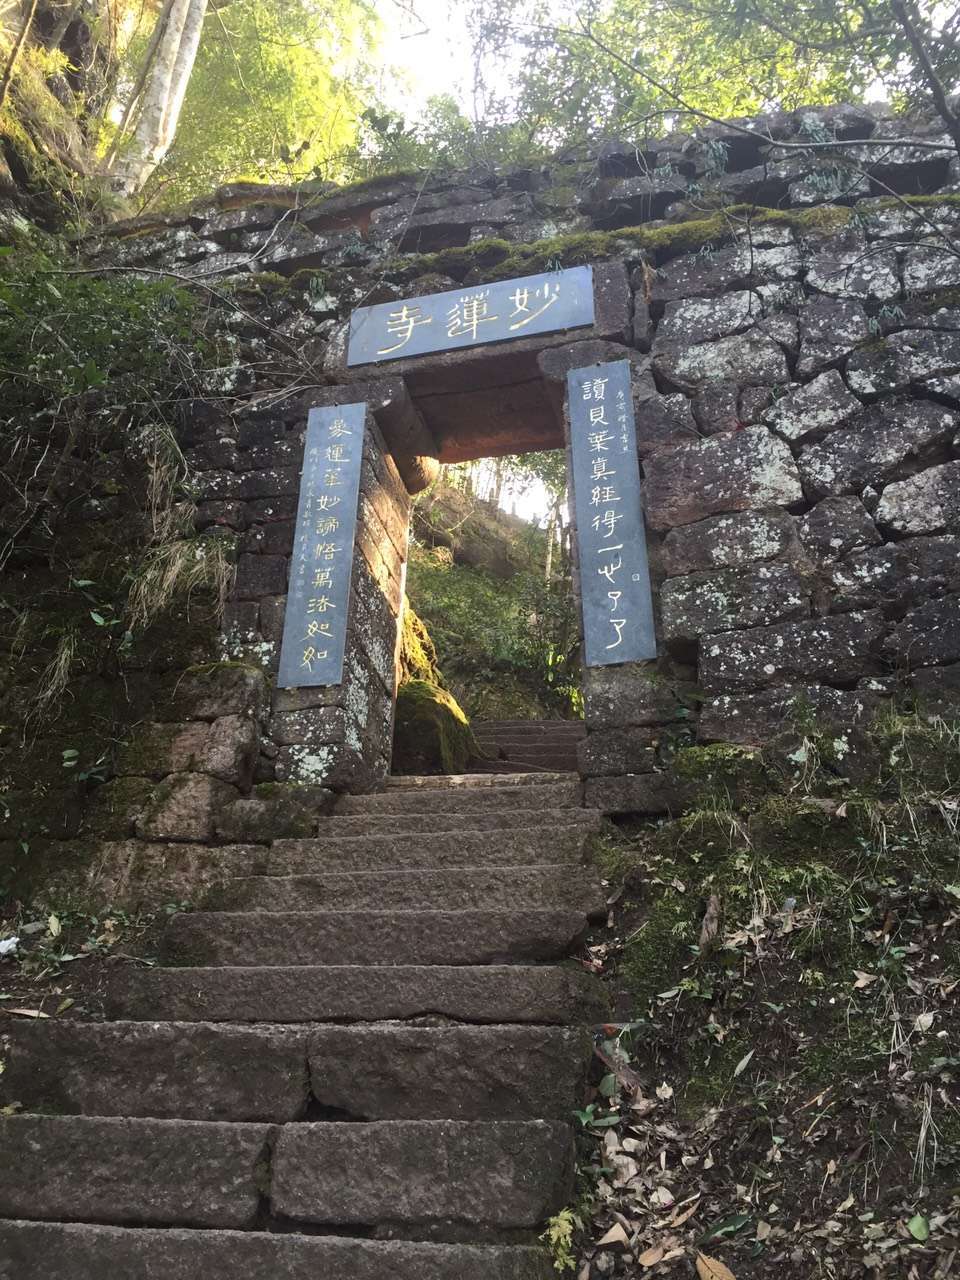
472 316
318 595
611 543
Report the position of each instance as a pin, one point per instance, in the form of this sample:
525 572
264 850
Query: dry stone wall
793 323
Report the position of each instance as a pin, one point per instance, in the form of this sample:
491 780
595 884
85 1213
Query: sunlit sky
427 45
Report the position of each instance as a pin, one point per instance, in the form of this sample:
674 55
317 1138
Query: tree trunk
15 52
553 534
182 70
145 68
163 94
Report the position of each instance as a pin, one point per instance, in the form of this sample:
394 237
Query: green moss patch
431 733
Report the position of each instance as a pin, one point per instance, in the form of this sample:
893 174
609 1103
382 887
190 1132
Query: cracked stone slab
360 993
925 503
812 411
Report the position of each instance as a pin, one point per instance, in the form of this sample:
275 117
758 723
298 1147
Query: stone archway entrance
444 406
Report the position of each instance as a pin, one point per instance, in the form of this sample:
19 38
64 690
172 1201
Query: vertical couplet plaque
605 472
318 595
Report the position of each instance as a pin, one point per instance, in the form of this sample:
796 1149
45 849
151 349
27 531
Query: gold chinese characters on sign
488 313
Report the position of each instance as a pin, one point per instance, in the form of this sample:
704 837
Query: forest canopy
162 100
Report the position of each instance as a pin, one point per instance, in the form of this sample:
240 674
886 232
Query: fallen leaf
680 1218
919 1228
713 1269
64 1005
743 1063
663 1197
923 1022
54 927
863 979
616 1235
764 1230
847 1204
664 1091
710 925
28 1013
650 1257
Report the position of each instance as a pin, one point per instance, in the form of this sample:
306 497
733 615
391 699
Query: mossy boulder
432 734
418 656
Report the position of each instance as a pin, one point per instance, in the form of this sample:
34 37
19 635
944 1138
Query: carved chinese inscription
318 596
605 474
468 317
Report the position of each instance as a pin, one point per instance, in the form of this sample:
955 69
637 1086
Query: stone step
502 1174
398 824
547 995
370 937
551 731
165 1172
480 766
210 1071
529 726
488 888
464 793
521 846
78 1251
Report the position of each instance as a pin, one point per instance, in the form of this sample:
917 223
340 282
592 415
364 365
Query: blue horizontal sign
470 317
611 543
318 596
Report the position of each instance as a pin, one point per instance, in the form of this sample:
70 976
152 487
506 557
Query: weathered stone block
835 527
930 267
631 694
835 650
274 812
643 793
829 330
259 576
744 358
499 1174
703 319
728 542
938 690
897 576
705 603
614 751
812 411
221 689
184 807
909 356
750 468
117 806
755 719
716 407
155 750
852 458
929 636
131 1171
662 420
845 267
925 503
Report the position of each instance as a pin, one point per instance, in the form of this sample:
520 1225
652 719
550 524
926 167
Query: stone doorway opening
425 412
490 596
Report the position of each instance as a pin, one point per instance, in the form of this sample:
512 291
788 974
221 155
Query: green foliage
275 95
505 645
64 333
559 1238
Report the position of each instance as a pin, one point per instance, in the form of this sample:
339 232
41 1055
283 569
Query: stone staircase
529 745
358 1064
